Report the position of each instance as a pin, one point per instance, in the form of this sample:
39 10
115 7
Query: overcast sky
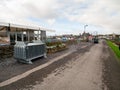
64 16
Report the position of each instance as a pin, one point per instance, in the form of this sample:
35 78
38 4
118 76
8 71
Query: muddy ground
9 67
12 68
111 70
109 73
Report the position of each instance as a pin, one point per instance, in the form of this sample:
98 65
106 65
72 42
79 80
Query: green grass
115 48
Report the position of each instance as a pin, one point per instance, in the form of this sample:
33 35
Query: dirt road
84 69
85 73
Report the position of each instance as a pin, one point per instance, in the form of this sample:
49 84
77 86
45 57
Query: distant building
85 36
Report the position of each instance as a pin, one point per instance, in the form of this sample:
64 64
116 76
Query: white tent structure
28 41
12 31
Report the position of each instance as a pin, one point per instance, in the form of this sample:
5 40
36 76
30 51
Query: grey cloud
104 13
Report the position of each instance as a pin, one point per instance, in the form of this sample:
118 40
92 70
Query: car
95 40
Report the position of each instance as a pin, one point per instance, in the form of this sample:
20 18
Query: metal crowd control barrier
25 52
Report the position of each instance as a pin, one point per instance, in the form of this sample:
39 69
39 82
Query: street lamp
85 27
84 34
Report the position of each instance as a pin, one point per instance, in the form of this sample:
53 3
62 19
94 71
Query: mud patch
111 71
38 77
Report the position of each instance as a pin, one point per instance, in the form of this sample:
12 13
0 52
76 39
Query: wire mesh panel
26 52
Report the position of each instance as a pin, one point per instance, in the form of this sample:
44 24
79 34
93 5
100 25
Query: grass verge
115 48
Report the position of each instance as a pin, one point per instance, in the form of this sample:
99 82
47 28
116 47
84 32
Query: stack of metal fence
25 52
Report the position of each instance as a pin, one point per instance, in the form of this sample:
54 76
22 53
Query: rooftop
19 27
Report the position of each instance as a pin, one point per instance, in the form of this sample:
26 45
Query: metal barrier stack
25 52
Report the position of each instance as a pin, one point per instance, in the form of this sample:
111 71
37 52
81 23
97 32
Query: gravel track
90 67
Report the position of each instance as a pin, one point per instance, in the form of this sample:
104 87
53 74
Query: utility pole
84 37
85 27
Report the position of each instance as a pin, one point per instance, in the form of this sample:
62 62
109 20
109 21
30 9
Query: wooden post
16 35
22 35
8 33
28 36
